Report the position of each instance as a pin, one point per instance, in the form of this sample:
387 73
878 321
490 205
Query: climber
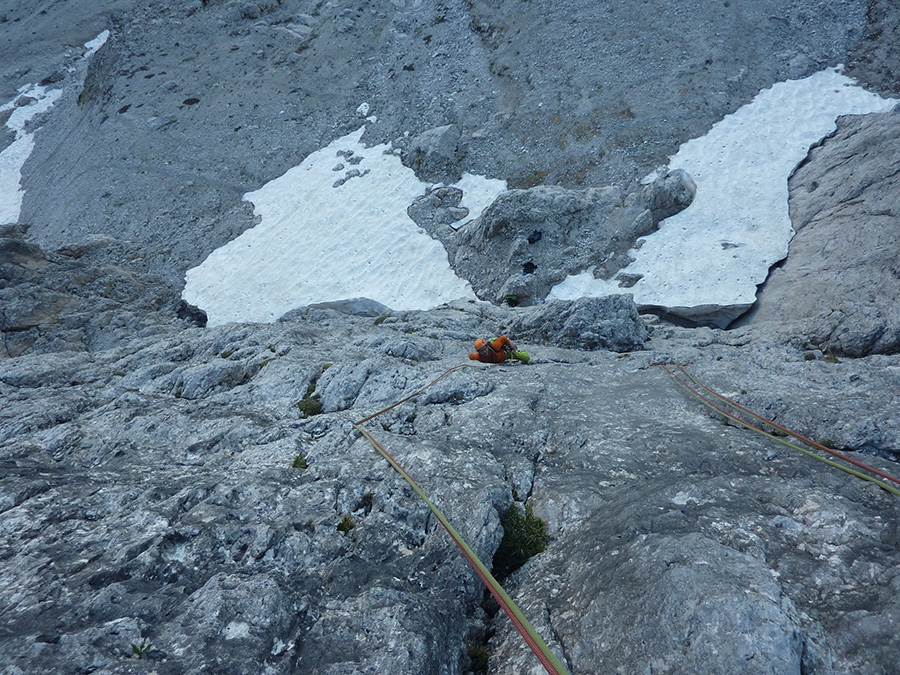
497 350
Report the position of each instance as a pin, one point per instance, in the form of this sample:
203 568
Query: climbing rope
728 408
540 649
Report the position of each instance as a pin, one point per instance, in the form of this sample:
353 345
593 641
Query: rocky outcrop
610 322
167 496
842 277
529 240
435 155
60 301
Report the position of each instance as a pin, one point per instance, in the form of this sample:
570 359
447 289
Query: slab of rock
841 280
529 240
64 301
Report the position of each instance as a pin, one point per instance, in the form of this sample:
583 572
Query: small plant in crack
347 523
479 655
141 649
524 535
311 404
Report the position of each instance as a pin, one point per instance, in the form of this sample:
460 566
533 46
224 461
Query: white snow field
329 234
31 100
37 99
708 260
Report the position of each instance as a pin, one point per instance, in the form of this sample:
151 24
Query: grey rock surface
610 323
190 106
841 279
165 494
435 155
167 491
527 241
60 301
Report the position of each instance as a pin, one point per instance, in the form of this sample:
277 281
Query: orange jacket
496 350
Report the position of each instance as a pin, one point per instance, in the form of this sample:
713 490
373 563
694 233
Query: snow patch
93 46
707 261
332 228
32 100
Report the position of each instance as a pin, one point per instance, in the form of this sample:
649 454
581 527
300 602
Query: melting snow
37 99
94 45
709 259
32 100
332 228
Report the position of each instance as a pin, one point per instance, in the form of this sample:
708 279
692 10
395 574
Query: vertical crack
559 640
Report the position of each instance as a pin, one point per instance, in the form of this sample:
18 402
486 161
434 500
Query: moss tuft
524 535
479 655
309 406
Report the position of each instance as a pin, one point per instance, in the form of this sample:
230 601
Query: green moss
300 462
381 319
479 655
309 406
524 535
347 523
226 353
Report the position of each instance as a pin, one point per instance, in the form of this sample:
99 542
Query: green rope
747 425
547 658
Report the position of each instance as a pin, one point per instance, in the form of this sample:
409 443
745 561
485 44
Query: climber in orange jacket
497 350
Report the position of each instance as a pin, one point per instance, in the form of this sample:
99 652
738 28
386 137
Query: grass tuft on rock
479 655
524 535
309 406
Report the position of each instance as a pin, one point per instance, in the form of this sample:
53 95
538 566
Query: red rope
785 430
771 423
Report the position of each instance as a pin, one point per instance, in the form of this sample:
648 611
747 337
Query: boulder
611 322
435 155
529 240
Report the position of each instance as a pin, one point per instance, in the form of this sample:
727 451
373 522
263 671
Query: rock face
177 499
59 302
166 495
842 277
529 240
